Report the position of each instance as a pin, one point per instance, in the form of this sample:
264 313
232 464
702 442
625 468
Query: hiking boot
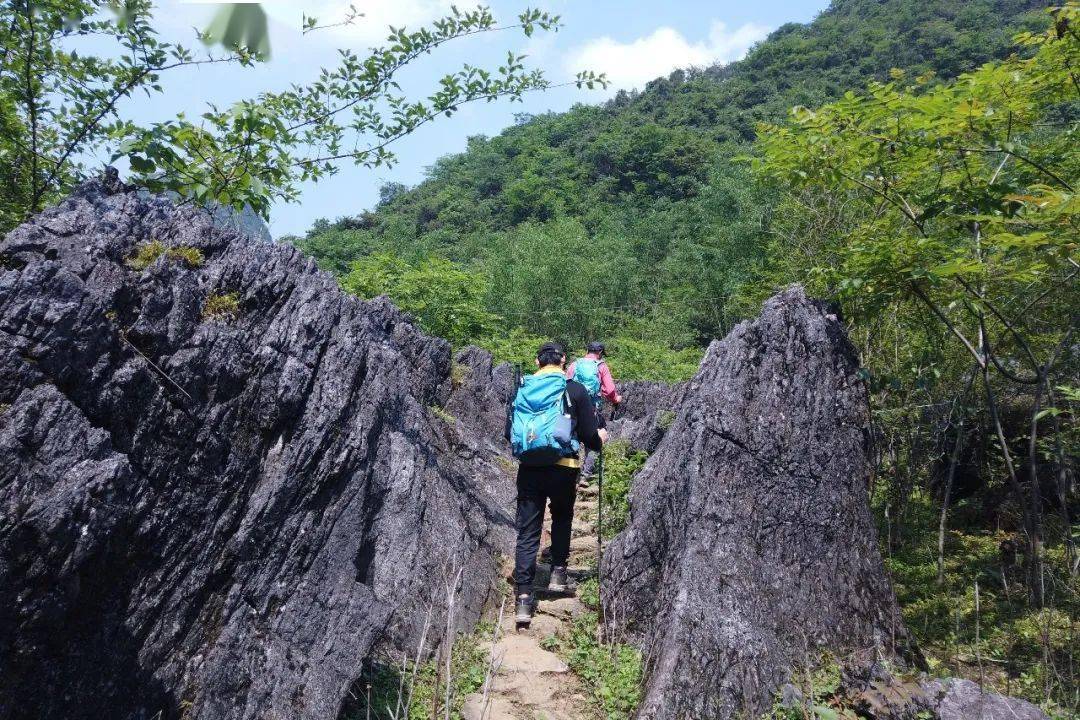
523 612
558 582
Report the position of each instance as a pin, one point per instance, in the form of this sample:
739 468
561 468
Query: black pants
535 486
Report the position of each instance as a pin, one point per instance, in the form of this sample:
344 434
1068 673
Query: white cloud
632 64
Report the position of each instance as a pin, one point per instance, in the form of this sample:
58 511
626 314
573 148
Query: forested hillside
646 194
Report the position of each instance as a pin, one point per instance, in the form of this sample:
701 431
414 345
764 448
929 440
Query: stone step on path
529 682
584 523
581 528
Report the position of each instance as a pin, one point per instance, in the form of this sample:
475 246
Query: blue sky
632 41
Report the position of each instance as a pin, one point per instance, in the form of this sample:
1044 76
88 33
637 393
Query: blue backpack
541 431
587 372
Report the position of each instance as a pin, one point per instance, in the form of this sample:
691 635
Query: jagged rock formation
751 543
751 549
222 486
482 392
886 697
646 413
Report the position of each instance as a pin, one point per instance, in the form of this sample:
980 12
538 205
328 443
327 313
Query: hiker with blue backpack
592 372
551 419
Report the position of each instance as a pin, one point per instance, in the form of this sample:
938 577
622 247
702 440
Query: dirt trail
529 682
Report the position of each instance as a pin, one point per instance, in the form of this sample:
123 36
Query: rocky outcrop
958 699
480 393
880 695
750 544
223 483
646 413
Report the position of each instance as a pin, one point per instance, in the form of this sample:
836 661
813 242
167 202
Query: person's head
595 348
550 353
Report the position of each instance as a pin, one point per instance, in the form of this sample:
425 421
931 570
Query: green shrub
383 682
620 465
146 253
516 347
224 306
632 359
1025 650
445 298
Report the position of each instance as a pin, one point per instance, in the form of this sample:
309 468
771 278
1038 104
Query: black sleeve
584 416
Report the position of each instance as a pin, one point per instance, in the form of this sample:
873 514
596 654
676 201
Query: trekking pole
599 517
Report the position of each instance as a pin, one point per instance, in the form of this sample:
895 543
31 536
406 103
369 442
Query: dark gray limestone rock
958 699
750 542
881 695
481 393
245 221
646 413
218 516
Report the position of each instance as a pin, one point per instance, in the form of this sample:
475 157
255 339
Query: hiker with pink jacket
592 372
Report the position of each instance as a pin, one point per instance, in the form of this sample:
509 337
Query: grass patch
190 256
459 374
146 253
665 419
382 689
589 592
817 695
508 465
443 415
620 465
224 306
612 672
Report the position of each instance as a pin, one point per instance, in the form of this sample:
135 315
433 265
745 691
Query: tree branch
949 324
1004 321
110 105
428 118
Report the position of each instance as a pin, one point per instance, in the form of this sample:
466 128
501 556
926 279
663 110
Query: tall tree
61 106
965 205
